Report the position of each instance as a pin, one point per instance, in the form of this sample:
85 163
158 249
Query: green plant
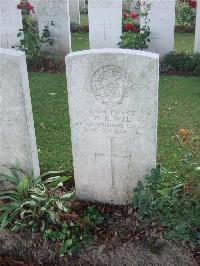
181 62
135 36
174 207
84 11
91 214
73 234
184 14
31 42
43 205
33 203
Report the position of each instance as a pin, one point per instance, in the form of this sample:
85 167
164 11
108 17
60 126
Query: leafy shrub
72 235
135 36
32 203
32 42
79 28
84 11
181 62
43 205
184 14
174 207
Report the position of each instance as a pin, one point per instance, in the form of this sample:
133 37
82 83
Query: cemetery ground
115 235
121 239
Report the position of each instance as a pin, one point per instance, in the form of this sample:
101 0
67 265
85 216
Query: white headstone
105 23
82 4
113 98
162 23
17 135
10 23
197 31
58 12
74 11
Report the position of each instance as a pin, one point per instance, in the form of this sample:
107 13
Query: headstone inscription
162 23
58 13
74 11
10 23
113 113
17 135
105 23
197 31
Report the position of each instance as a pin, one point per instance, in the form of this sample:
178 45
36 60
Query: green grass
178 108
50 110
80 41
84 20
183 41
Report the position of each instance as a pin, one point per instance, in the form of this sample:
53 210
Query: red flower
134 15
19 6
130 27
26 7
192 3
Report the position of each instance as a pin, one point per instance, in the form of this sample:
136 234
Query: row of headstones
162 23
113 113
75 6
105 24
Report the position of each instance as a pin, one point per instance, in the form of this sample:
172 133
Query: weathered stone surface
197 31
162 23
113 96
17 135
105 23
10 23
74 11
58 12
82 4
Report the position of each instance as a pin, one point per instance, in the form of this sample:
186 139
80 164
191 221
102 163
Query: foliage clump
181 62
31 41
43 205
134 36
163 200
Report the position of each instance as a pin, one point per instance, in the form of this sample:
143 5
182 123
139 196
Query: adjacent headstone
197 31
74 11
105 23
82 4
10 23
17 135
113 98
162 23
58 13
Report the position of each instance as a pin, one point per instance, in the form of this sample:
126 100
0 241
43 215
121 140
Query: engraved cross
106 36
112 156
